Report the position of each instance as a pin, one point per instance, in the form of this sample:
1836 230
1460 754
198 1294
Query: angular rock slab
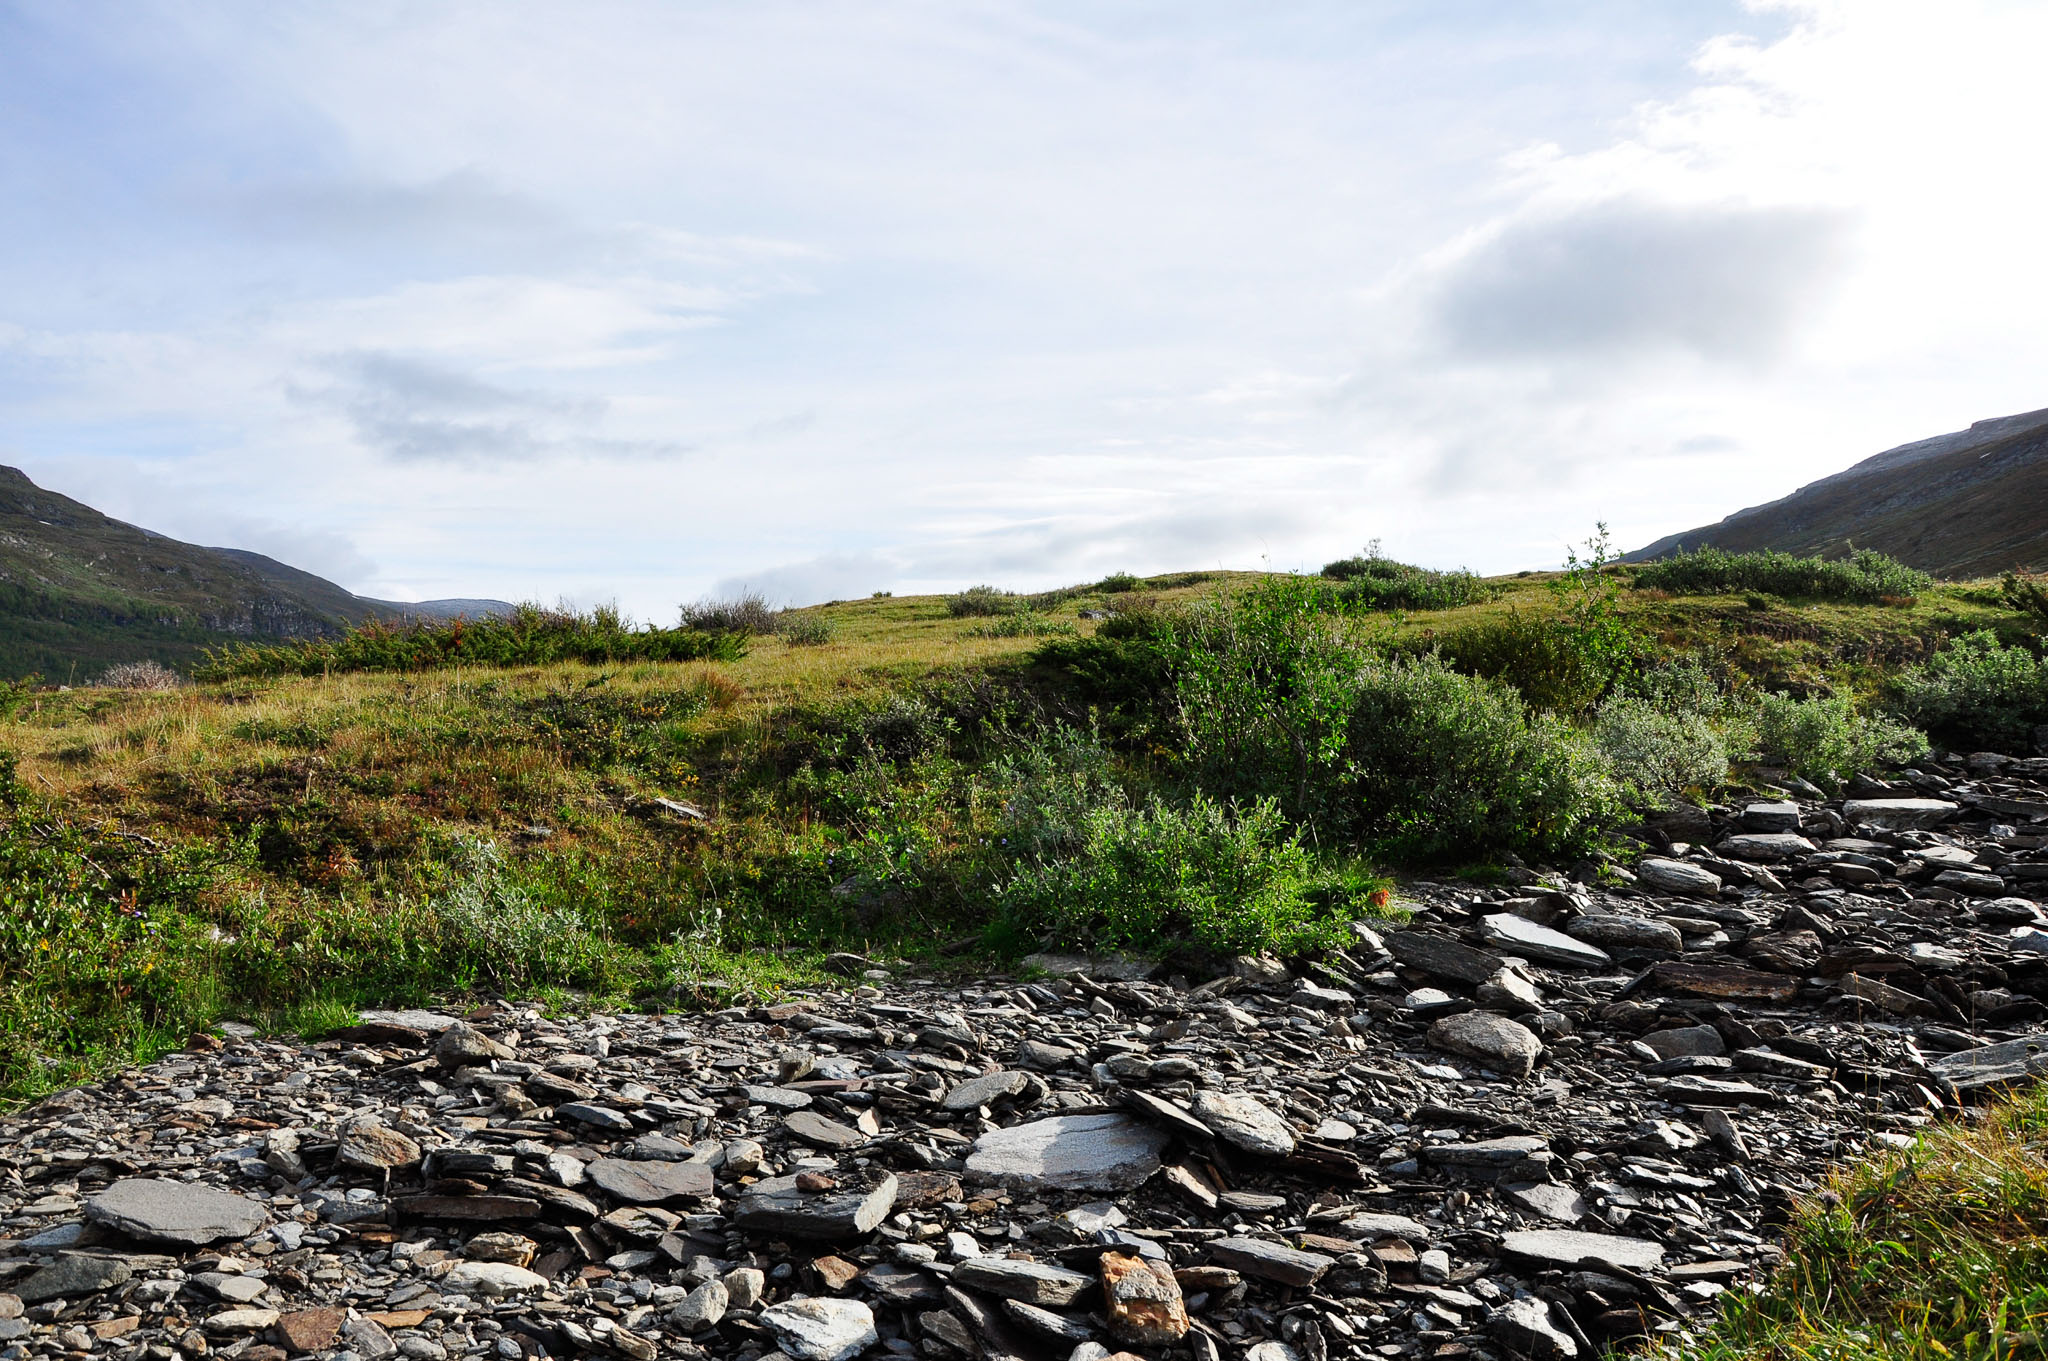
1765 846
1679 876
1104 1152
777 1206
1495 1041
1569 1247
1898 814
1509 932
2012 1061
1244 1123
175 1212
72 1275
822 1329
1441 957
1031 1282
650 1183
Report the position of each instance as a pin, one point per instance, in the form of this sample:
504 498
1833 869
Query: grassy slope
335 817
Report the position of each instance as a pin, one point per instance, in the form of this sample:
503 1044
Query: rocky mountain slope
80 591
1969 504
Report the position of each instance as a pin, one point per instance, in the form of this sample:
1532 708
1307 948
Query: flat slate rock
980 1091
1245 1123
778 1206
69 1276
1679 876
1506 931
1898 814
1105 1152
1032 1282
649 1182
1270 1261
1767 846
822 1132
178 1212
1441 957
2012 1061
1371 1228
1570 1247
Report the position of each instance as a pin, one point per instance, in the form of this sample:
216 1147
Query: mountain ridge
80 588
1970 503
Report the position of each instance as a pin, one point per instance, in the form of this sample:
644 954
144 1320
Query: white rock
822 1329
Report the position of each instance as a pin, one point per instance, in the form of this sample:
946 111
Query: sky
642 302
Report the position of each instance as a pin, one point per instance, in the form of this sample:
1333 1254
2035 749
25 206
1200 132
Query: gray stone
242 1320
1054 1328
1898 814
2028 940
1270 1261
649 1182
1441 957
778 1206
1995 1064
1108 968
986 1089
72 1275
1244 1123
1503 1045
601 1117
433 1022
1318 998
701 1308
1570 1247
1525 1328
1614 931
1691 1041
1550 1199
1769 846
369 1145
1678 876
464 1046
1971 884
1371 1228
178 1212
815 1329
1781 816
1524 937
1510 1155
492 1280
1104 1152
821 1132
1033 1282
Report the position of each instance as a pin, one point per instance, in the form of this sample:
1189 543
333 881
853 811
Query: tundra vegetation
1191 765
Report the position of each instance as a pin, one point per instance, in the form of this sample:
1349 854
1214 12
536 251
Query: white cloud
642 299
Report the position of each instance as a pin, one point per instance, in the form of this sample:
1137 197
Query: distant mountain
80 591
1971 504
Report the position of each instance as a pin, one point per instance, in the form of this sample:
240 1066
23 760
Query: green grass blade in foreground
1934 1253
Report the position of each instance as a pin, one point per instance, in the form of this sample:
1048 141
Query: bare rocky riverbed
1534 1120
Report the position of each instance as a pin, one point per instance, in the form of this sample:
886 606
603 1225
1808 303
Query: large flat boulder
1101 1152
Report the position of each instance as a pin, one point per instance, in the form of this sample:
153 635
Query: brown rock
310 1330
369 1145
1143 1301
834 1273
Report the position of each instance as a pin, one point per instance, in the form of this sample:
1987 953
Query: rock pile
1533 1120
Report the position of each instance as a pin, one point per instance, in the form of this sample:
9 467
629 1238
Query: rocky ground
1534 1120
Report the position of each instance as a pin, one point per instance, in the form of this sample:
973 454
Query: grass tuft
1934 1253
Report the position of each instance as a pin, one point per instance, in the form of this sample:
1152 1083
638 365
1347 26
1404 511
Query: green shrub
530 636
983 600
1660 753
1978 692
1438 765
804 629
1116 583
1373 582
1157 876
490 927
1864 575
1022 624
2026 595
747 612
1396 756
1825 739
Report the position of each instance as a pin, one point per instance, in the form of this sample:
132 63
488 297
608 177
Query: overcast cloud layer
638 301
